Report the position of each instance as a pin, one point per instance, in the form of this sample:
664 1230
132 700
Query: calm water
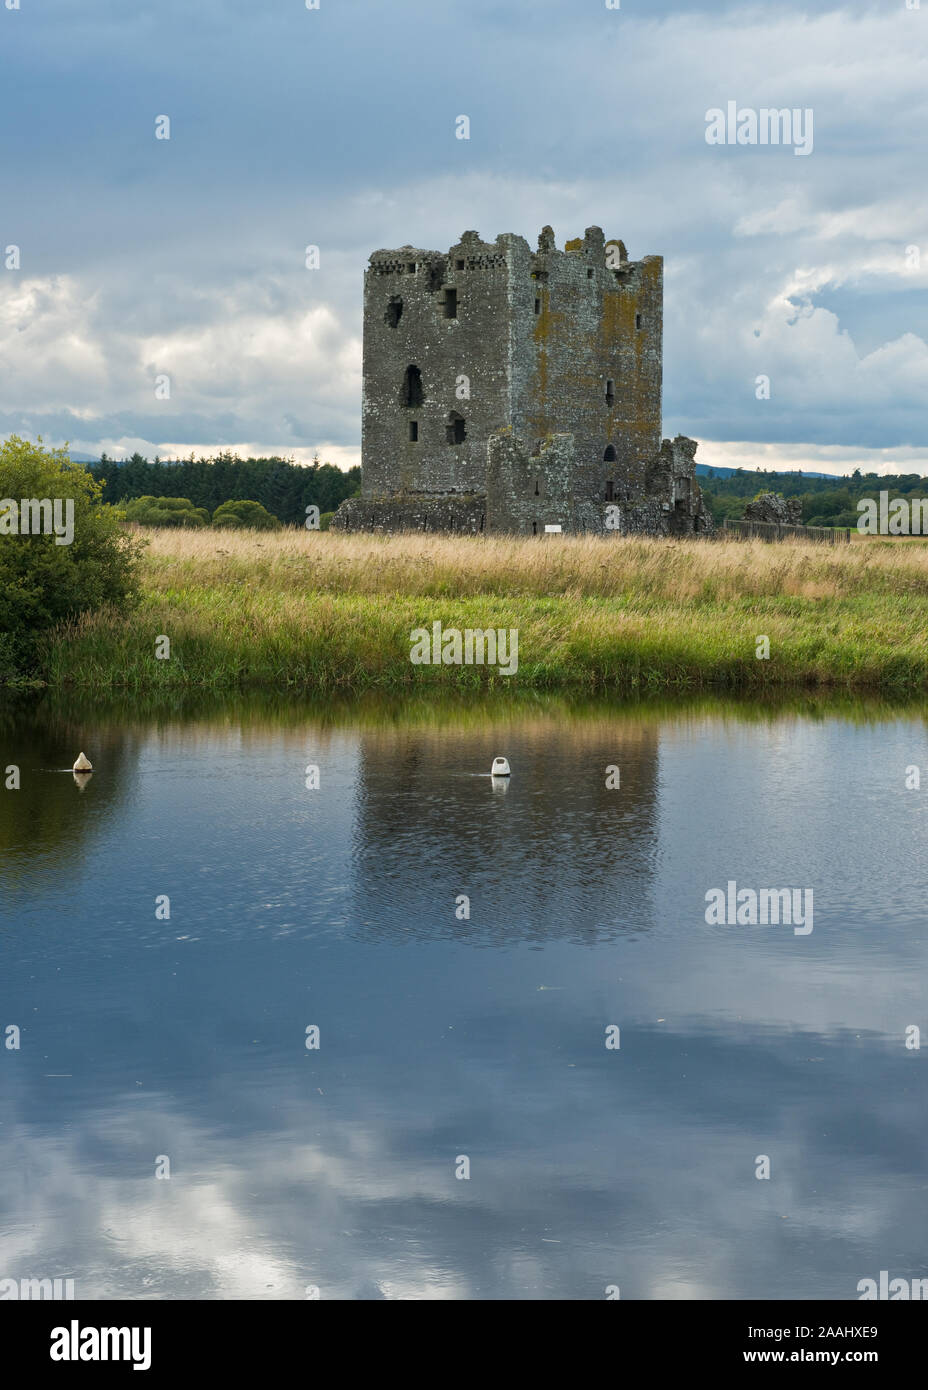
442 1037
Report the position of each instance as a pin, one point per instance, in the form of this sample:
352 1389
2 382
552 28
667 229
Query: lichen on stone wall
539 391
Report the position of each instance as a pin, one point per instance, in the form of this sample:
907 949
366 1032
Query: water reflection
39 833
441 1036
557 855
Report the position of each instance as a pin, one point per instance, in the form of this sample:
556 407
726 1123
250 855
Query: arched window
412 386
454 430
609 455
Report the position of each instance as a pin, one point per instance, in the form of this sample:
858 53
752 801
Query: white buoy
83 764
500 768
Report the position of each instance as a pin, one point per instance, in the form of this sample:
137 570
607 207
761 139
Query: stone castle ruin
507 390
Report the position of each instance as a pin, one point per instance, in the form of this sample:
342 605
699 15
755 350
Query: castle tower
493 342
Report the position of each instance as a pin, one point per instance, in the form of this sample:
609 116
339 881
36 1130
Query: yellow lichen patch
542 333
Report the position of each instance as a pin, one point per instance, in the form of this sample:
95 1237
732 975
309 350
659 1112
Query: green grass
331 613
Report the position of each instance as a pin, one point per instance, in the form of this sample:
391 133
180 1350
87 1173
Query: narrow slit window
637 320
451 304
537 306
609 490
536 488
589 275
413 431
610 392
394 310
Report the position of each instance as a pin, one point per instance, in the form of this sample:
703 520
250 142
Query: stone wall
453 515
773 507
591 356
527 491
447 316
545 342
671 476
508 390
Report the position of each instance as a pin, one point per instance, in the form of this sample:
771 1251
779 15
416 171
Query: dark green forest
825 501
286 489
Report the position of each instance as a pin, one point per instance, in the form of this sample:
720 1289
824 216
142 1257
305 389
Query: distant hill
703 468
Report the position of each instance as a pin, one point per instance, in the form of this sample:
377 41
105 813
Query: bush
250 515
165 511
325 520
42 582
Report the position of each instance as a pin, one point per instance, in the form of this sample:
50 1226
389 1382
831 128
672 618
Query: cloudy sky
336 127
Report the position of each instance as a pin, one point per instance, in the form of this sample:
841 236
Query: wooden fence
775 531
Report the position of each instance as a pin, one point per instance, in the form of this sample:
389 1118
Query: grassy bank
332 612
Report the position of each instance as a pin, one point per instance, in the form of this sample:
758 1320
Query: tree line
825 501
283 487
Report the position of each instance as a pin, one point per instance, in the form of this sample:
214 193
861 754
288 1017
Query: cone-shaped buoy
500 768
83 764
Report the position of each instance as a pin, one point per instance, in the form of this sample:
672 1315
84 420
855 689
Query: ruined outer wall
526 492
453 515
475 344
593 324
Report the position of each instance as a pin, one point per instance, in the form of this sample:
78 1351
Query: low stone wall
646 518
649 517
775 510
415 512
467 516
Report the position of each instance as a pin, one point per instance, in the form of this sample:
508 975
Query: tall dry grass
581 566
323 611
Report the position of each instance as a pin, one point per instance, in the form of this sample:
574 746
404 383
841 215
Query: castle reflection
551 852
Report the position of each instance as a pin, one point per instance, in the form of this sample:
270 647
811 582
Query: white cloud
267 355
810 458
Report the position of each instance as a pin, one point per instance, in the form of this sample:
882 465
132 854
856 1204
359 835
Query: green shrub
165 511
45 579
247 515
325 520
